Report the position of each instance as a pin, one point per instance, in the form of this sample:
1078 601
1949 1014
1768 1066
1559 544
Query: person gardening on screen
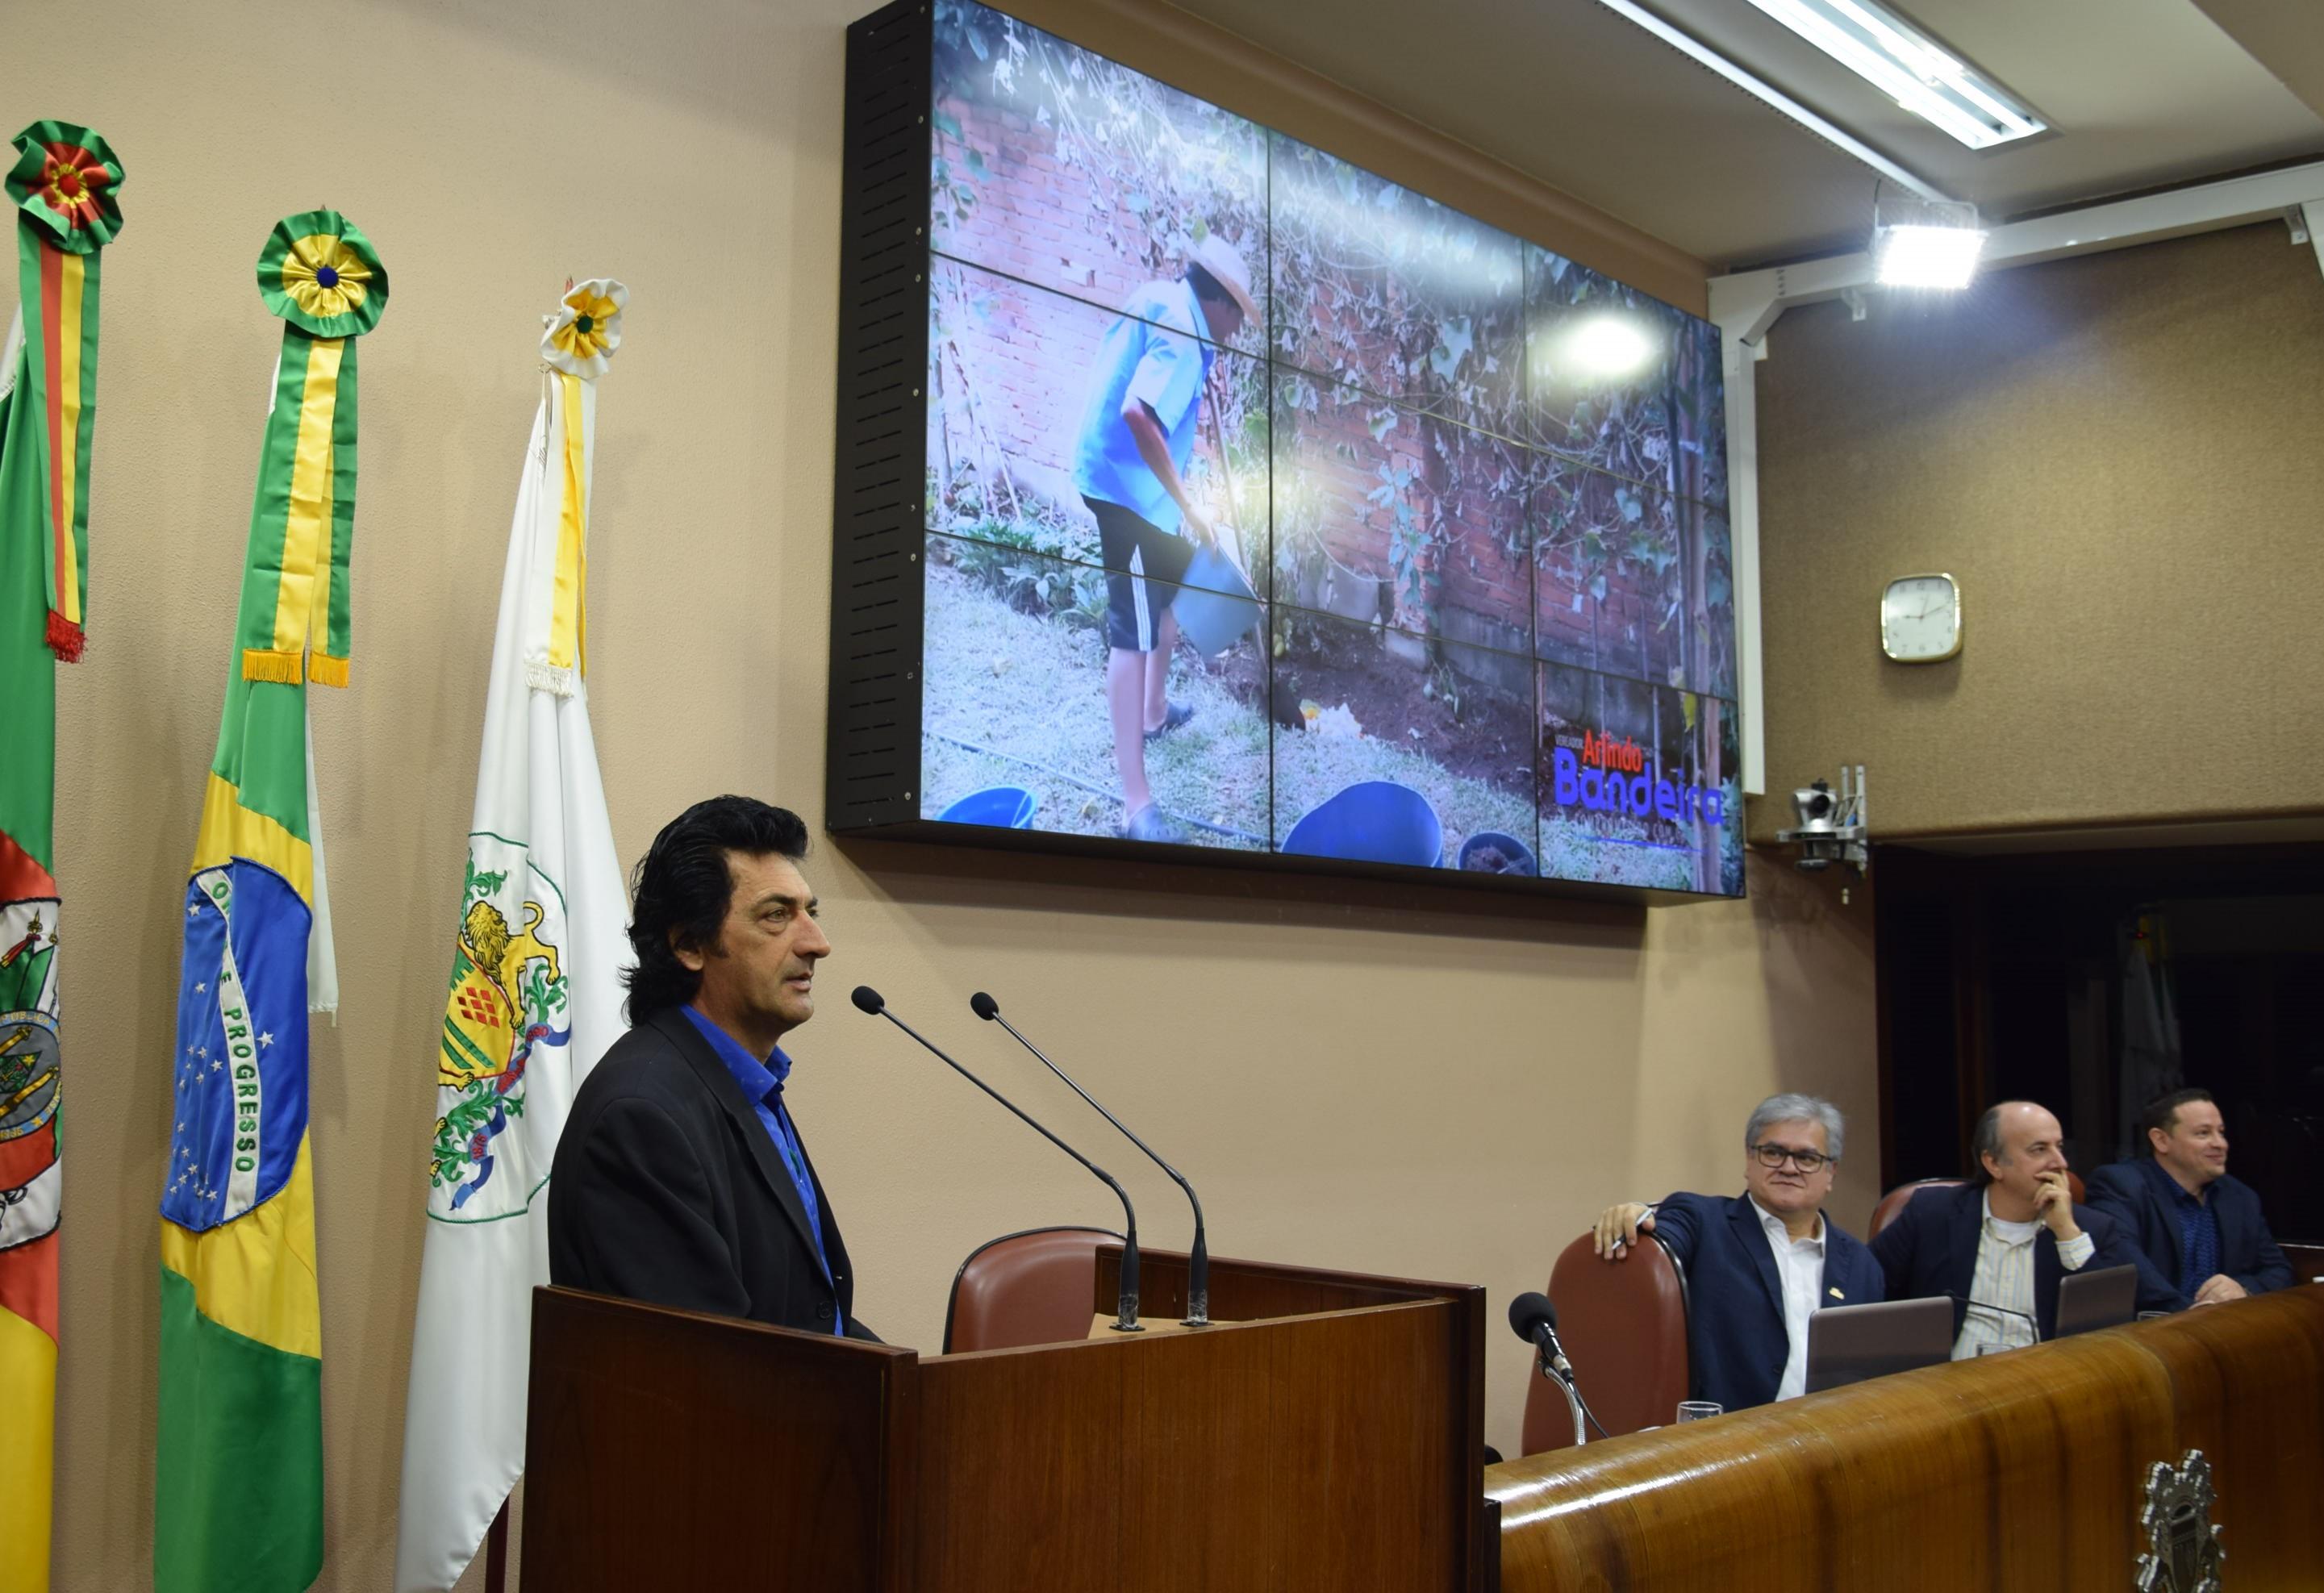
1137 438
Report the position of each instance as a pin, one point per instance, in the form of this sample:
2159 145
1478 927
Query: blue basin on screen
1519 855
1004 807
1375 821
1215 605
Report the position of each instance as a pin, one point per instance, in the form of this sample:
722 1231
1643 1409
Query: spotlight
1920 243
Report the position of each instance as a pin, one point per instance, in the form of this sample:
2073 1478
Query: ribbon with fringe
321 276
62 181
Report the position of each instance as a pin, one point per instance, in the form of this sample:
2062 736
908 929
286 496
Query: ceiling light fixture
1910 68
1767 94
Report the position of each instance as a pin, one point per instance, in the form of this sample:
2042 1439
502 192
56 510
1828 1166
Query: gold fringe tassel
273 663
326 670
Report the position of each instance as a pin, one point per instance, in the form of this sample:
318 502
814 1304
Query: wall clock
1921 619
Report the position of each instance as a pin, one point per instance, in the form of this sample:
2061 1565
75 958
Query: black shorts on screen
1143 566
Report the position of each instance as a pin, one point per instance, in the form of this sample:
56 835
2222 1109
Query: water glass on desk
1699 1410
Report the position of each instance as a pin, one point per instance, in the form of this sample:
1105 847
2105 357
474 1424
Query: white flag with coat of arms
535 990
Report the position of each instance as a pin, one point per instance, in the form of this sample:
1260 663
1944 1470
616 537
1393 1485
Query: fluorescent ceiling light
1910 68
1770 95
1926 256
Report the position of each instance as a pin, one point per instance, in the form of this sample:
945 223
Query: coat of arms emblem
2185 1555
507 997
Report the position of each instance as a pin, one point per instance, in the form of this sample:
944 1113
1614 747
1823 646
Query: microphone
1198 1264
1534 1319
2032 1325
868 999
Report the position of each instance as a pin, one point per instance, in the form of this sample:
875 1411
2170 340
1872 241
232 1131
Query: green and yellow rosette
322 277
64 182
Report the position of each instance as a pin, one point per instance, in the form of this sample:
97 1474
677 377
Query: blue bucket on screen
1214 605
1004 807
1374 821
1520 857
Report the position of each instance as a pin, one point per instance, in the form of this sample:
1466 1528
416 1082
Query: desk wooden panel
1333 1443
2025 1470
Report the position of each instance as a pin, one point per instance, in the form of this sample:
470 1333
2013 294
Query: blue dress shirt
2199 1230
762 1087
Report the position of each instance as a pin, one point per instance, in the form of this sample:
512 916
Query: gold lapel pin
1837 1295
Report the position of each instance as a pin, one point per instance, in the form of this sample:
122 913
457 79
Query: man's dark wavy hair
683 883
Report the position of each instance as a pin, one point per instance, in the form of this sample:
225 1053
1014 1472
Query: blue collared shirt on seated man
2157 1212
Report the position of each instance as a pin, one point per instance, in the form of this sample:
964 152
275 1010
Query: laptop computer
1849 1343
2088 1300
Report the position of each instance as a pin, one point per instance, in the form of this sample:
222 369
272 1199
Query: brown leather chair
1025 1288
1894 1200
1624 1328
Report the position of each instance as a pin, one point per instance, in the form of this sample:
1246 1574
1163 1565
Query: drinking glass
1699 1410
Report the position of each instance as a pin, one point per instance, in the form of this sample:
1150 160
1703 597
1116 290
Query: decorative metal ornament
2185 1555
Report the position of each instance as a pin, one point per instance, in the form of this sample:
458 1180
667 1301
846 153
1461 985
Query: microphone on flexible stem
1534 1319
869 1001
1198 1263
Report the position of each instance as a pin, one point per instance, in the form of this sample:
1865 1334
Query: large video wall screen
1272 507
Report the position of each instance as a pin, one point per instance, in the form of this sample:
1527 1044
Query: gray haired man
1759 1263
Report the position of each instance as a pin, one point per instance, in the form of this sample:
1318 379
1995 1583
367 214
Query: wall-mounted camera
1831 828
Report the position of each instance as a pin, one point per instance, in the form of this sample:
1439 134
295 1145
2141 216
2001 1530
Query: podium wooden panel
2025 1470
1327 1434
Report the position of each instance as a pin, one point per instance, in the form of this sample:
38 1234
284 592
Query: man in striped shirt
1999 1245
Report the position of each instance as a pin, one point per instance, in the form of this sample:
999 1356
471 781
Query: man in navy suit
2001 1245
2200 1231
1758 1265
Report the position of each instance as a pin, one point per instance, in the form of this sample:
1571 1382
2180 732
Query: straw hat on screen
1224 262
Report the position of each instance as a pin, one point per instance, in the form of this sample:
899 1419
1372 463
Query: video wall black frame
1617 717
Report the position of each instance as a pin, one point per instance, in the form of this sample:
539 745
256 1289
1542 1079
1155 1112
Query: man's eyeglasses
1807 1161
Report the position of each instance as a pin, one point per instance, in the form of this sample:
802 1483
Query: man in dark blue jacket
2000 1246
1758 1265
2200 1231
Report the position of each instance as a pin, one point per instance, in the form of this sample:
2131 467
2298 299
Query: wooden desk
2025 1470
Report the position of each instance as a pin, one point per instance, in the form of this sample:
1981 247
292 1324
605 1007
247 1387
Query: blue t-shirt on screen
1152 353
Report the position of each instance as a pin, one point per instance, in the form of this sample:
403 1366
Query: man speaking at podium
681 1179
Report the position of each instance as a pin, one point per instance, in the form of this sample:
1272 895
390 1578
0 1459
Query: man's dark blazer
1930 1248
666 1189
1737 1342
2247 1251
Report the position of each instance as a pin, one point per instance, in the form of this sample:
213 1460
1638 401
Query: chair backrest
1894 1200
1025 1288
1623 1324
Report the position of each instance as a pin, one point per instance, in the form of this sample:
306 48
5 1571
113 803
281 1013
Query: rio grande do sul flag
535 995
62 184
238 1484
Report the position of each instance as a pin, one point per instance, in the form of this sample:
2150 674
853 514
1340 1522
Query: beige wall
2116 456
1428 1085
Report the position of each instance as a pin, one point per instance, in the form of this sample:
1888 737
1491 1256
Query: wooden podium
1328 1435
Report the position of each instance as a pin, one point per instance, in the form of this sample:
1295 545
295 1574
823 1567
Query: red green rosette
64 180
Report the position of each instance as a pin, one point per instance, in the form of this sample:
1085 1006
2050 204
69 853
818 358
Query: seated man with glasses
1758 1265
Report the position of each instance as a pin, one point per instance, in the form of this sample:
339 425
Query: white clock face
1920 619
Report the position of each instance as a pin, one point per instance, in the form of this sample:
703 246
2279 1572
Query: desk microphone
1534 1319
1198 1264
1536 1322
868 999
1998 1311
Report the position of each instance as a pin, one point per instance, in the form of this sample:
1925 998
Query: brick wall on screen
1032 350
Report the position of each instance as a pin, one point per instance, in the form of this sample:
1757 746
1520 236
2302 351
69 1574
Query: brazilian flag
238 1501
